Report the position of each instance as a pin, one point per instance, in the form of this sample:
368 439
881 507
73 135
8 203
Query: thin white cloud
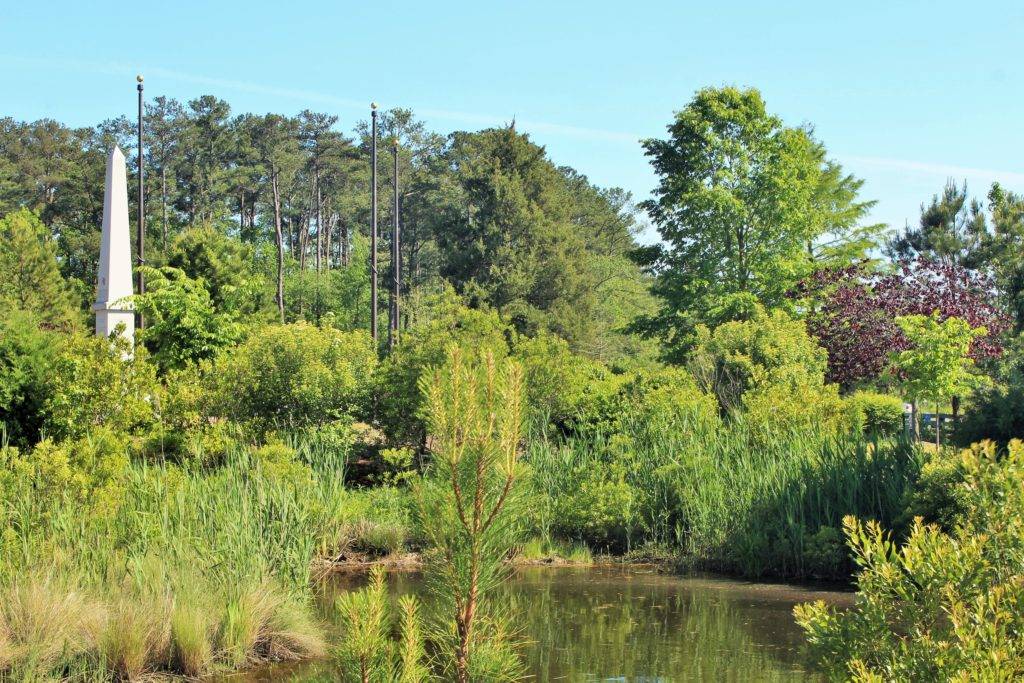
311 97
937 170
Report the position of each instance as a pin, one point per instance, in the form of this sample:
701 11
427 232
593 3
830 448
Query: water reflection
611 624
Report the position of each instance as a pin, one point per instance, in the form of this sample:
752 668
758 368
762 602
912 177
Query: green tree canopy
182 326
938 365
29 271
539 244
741 203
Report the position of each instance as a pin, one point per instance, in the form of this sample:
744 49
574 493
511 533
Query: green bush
824 554
938 496
279 462
602 510
30 272
96 382
27 355
396 387
875 413
559 383
91 470
997 412
223 264
294 375
182 326
769 349
943 606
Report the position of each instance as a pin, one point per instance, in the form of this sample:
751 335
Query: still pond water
632 626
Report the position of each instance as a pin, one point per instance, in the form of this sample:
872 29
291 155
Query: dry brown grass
43 622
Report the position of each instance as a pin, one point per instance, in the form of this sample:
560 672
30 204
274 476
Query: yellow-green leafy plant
98 382
874 413
941 606
291 376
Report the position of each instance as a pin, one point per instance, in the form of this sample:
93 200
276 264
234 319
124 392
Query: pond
634 626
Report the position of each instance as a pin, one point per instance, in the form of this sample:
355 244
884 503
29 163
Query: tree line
487 212
272 212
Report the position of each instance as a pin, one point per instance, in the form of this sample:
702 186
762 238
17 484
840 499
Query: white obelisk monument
115 278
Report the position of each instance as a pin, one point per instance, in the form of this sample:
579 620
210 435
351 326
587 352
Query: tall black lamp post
396 266
140 239
373 221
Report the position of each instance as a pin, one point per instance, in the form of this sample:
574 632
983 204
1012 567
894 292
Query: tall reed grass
191 571
735 498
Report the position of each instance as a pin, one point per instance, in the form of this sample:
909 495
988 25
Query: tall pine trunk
279 234
319 220
163 204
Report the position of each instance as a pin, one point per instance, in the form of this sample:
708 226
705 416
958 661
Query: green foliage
341 295
759 360
28 269
365 654
468 508
542 248
396 386
937 366
27 355
723 497
294 375
875 413
224 266
96 383
278 461
997 411
741 196
939 497
1002 248
943 606
368 652
182 326
206 570
557 381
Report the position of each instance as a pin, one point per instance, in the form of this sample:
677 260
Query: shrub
31 274
279 462
399 402
938 497
668 399
558 381
182 326
96 383
223 264
944 606
824 554
874 413
603 508
997 412
769 348
90 470
294 375
27 355
776 410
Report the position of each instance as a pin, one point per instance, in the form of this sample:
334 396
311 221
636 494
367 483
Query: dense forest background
487 212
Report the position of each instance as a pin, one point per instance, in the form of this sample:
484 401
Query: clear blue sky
904 94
